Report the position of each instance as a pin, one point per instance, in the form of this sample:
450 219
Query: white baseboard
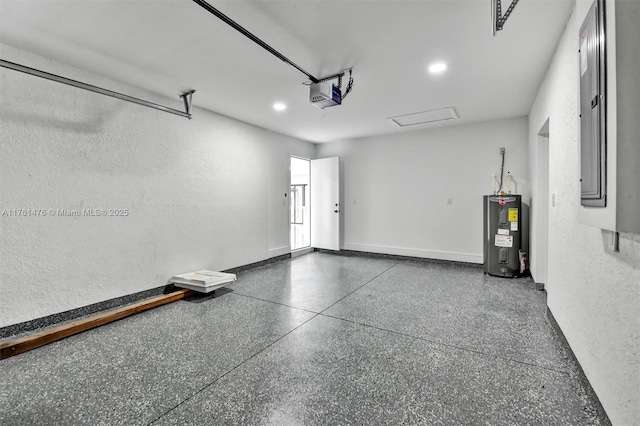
279 251
427 254
301 252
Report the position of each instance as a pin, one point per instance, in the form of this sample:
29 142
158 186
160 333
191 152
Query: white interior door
325 203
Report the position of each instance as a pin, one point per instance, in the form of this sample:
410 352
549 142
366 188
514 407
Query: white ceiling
171 46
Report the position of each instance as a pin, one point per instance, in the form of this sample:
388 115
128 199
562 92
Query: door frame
541 206
309 248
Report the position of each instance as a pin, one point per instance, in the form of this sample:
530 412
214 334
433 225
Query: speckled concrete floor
318 339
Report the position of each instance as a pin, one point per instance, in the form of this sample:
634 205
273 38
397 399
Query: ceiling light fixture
437 68
279 106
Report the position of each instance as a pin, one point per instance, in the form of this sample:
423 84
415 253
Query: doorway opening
300 215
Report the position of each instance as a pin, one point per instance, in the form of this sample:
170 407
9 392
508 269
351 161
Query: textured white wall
202 193
594 295
396 188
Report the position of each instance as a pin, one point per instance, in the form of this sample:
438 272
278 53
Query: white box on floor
203 281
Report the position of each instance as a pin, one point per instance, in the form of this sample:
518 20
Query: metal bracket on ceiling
497 19
333 77
186 97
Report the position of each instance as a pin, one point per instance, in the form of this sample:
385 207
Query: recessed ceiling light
279 106
437 67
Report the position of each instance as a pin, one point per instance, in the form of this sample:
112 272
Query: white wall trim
301 252
405 251
278 251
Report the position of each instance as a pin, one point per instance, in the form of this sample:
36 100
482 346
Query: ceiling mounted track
186 97
314 80
497 19
233 24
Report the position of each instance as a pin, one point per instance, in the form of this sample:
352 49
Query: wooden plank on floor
27 343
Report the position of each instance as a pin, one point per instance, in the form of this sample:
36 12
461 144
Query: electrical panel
593 147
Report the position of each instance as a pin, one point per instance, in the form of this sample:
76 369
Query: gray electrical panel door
593 148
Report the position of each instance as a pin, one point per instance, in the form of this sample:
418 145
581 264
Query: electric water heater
502 232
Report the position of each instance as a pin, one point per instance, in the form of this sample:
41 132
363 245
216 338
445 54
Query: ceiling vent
425 117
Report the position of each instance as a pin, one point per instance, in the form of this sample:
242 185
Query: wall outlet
502 151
